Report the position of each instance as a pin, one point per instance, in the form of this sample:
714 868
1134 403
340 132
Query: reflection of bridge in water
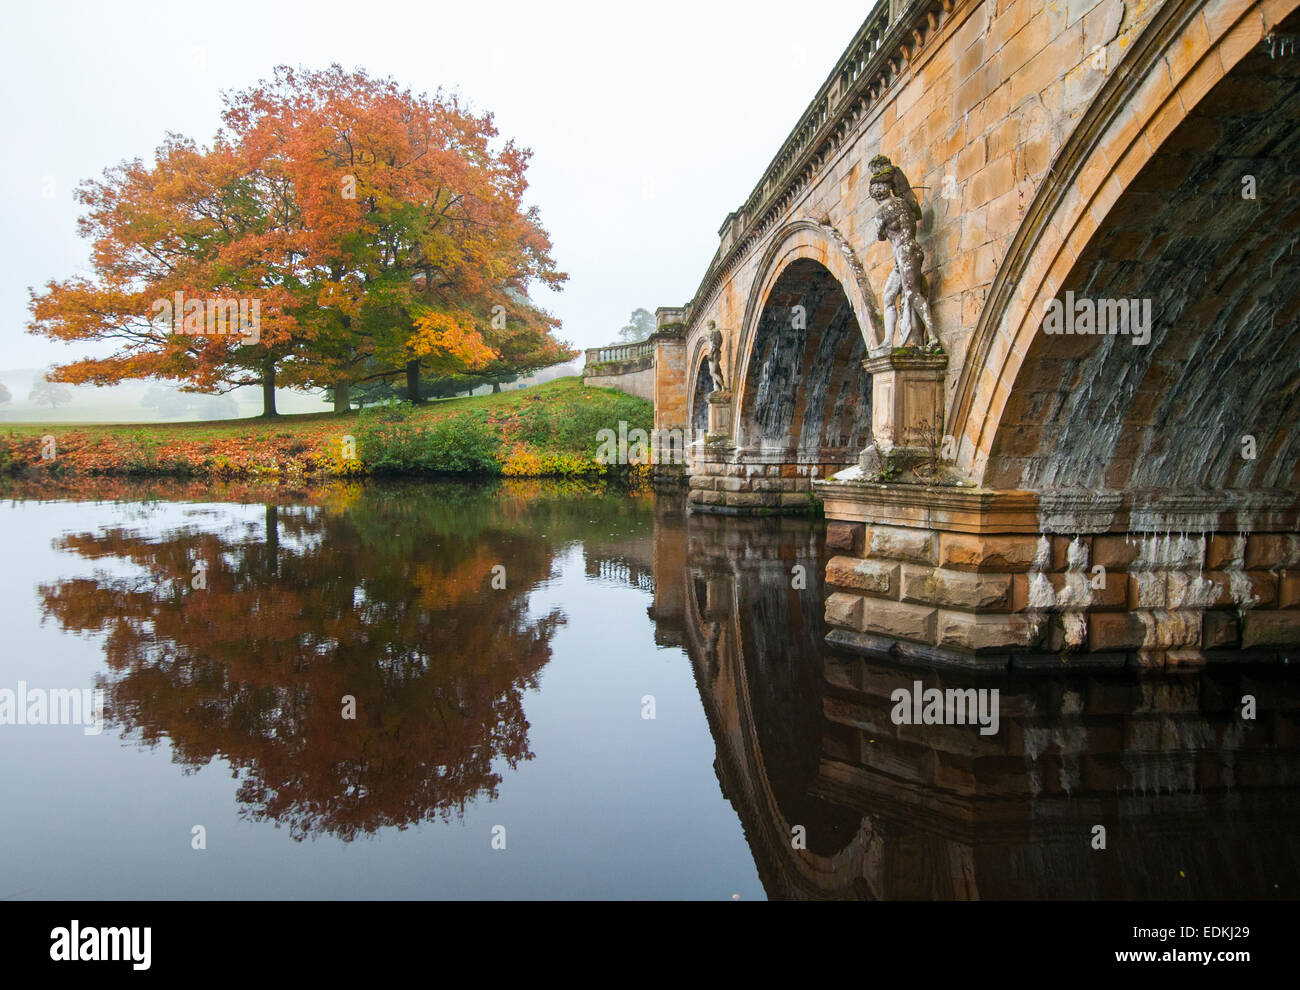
1196 801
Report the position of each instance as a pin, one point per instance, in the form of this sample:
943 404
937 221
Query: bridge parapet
618 353
626 367
890 37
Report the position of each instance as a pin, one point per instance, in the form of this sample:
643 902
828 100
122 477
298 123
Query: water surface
504 646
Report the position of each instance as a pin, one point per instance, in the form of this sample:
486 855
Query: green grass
550 429
564 399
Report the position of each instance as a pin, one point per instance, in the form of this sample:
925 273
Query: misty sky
648 123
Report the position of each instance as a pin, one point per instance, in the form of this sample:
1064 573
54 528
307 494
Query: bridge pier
669 353
729 480
995 579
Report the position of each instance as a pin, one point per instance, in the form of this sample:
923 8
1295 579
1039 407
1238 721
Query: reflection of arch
715 645
1137 108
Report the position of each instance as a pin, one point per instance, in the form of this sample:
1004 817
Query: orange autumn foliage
373 228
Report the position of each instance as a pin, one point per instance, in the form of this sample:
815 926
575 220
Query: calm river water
563 691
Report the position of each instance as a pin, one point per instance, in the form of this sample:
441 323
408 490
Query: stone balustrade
619 352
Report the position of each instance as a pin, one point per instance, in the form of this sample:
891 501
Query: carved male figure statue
715 357
896 222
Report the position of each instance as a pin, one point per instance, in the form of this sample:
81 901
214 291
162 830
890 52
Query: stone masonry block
1005 554
872 576
916 546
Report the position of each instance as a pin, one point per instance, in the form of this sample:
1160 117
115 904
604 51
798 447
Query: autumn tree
379 233
196 226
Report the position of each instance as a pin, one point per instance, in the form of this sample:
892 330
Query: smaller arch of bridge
1188 48
698 385
805 239
798 245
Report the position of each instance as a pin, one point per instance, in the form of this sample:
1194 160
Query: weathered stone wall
718 484
1175 73
980 587
670 381
1217 274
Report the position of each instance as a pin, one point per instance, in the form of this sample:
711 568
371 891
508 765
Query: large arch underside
1213 400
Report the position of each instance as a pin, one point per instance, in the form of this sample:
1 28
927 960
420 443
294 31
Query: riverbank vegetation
547 431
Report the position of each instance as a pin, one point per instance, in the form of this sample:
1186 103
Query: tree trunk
273 538
413 381
342 397
268 390
496 387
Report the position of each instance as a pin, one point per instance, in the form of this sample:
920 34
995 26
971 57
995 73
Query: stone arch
1182 55
826 246
798 387
698 388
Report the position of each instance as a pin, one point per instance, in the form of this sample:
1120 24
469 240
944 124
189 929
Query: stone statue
715 357
896 222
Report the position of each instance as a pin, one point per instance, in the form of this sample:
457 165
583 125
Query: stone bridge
1024 482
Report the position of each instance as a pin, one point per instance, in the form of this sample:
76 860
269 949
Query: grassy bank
547 431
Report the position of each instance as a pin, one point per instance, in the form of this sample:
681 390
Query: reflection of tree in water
387 598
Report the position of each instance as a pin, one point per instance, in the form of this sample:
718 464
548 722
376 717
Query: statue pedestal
906 409
719 415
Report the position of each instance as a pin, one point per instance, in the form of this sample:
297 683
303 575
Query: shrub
390 443
523 462
9 461
574 424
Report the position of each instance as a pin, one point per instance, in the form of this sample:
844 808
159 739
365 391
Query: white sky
648 124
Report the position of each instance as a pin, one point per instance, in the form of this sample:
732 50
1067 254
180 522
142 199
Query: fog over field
162 402
135 402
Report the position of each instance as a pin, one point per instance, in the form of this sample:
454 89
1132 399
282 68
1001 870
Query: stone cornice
982 510
906 359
